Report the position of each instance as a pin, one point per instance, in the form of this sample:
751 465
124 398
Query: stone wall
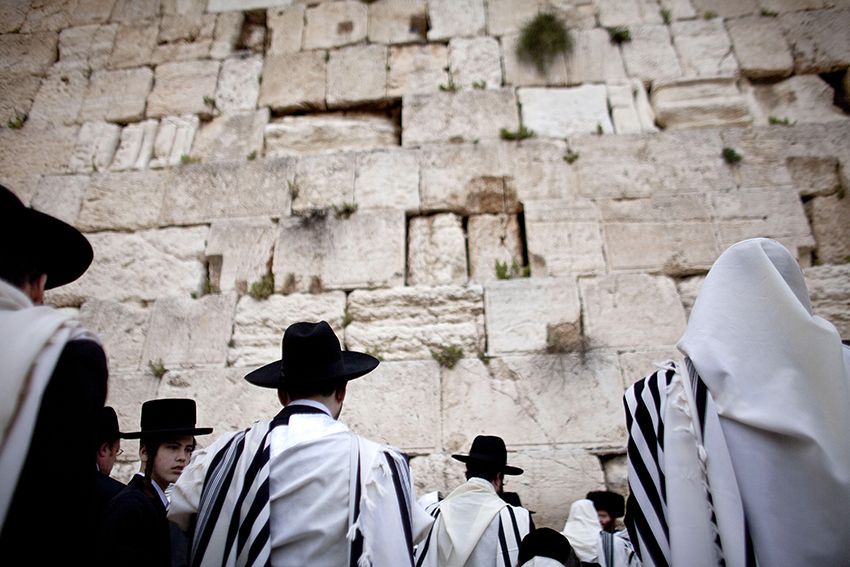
352 151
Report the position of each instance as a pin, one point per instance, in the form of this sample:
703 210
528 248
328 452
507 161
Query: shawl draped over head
582 530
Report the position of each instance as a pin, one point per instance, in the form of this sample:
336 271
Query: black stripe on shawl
357 544
504 543
250 475
514 523
403 506
258 546
260 501
424 551
639 525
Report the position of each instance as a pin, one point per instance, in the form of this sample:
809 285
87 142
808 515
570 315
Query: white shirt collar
312 404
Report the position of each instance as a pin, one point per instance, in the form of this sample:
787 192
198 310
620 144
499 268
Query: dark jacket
106 488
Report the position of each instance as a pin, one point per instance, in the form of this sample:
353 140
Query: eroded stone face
704 48
561 113
117 96
452 18
650 55
239 251
475 63
387 179
829 289
760 47
806 98
563 238
699 103
817 39
333 24
121 327
491 239
123 201
417 69
183 88
296 135
436 250
397 22
239 84
357 75
829 216
60 196
291 80
232 137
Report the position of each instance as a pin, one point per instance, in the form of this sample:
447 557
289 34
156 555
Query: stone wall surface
518 245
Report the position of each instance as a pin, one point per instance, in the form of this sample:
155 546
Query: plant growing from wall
263 288
505 272
17 121
157 368
542 39
252 156
666 16
619 34
571 156
730 156
520 134
186 159
779 121
345 210
448 356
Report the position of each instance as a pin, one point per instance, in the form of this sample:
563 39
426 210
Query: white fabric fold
582 530
467 512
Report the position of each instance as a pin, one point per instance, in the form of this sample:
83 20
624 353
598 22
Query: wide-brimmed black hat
56 247
544 542
312 356
168 416
610 502
107 426
489 452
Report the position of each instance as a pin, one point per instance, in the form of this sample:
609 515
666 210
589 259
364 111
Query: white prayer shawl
582 530
31 340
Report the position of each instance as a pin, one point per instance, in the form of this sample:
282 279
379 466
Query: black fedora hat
608 501
168 416
489 452
311 355
544 542
107 427
57 248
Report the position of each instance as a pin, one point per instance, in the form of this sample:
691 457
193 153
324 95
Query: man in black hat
54 384
474 526
301 489
135 529
609 506
108 449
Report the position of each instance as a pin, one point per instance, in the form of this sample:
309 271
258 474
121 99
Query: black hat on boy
489 452
168 416
607 501
107 426
544 542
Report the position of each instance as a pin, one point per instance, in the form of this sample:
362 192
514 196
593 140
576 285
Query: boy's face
171 458
606 520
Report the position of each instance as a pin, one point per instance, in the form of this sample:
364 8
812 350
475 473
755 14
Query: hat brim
64 253
355 365
507 469
179 431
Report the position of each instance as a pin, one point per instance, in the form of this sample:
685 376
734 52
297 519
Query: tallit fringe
365 560
352 531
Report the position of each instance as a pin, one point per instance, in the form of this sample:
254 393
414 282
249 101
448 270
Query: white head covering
780 380
582 530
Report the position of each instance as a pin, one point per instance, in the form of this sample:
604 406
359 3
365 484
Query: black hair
19 268
477 471
301 391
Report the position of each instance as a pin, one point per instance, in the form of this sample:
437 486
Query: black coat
106 488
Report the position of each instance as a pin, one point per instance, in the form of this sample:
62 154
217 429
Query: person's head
609 506
108 445
491 475
544 543
38 251
488 459
313 366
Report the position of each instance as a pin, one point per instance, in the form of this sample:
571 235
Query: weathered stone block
239 84
60 196
464 116
818 39
323 181
136 146
624 115
12 16
206 192
814 176
164 263
491 239
123 201
760 47
541 171
95 147
173 141
508 16
699 103
181 51
594 59
563 238
679 9
829 217
183 88
36 151
238 252
286 26
295 135
725 8
525 73
17 91
259 325
650 304
417 69
232 137
22 185
130 10
782 6
397 404
650 55
117 96
561 113
121 327
134 44
333 24
228 28
293 80
829 289
387 179
436 250
127 388
435 472
764 165
475 63
802 98
357 75
704 48
688 291
451 18
397 21
86 47
31 53
328 253
411 322
614 13
638 364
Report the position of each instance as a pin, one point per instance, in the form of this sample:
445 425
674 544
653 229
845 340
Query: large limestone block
406 323
764 164
130 10
464 116
186 332
436 472
17 92
117 96
639 363
624 114
36 151
614 13
127 390
802 98
398 404
525 73
725 8
392 21
814 176
287 29
183 87
121 327
231 137
60 196
226 402
387 179
689 290
86 47
140 266
527 315
650 55
333 24
452 18
239 84
22 185
357 75
760 47
259 324
699 103
32 53
293 80
468 179
491 239
541 172
183 50
829 217
819 39
417 69
631 310
508 16
679 9
136 146
475 62
704 48
59 99
228 5
96 144
436 250
829 289
174 138
323 181
329 132
563 238
238 252
594 59
522 400
134 44
561 113
12 16
203 193
782 6
364 250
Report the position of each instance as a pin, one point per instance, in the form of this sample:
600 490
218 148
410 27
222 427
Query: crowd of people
739 454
